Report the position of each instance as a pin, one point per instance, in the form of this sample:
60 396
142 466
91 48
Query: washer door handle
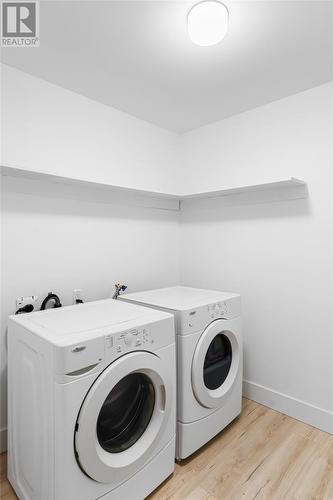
162 398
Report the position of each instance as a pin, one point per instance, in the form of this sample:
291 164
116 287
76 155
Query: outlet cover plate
23 301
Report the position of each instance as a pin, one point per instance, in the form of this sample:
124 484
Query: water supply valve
118 289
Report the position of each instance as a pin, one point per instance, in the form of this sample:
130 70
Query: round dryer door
215 364
121 417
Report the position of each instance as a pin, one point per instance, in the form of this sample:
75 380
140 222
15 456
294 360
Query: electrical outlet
77 295
23 301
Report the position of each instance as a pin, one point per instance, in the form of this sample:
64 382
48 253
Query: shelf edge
174 198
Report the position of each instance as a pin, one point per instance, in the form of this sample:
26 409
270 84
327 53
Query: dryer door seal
215 365
121 417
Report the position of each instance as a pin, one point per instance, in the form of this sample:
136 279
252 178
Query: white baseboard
310 414
3 440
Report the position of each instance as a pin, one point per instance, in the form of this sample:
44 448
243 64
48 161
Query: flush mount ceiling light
207 22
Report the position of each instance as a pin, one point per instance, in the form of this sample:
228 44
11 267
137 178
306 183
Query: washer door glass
123 416
217 361
126 413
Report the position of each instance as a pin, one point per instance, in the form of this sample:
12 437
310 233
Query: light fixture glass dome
207 22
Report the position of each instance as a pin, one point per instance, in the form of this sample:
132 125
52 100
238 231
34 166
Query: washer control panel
129 340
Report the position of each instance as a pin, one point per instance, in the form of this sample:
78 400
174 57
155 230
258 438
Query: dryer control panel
198 318
217 310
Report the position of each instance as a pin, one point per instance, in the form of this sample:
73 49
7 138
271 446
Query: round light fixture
207 22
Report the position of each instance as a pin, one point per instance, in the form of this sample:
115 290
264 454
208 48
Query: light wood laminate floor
262 455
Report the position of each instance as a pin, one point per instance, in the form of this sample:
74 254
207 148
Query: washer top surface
91 317
179 298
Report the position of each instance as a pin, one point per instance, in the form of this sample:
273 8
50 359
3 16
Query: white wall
57 239
53 130
277 255
52 243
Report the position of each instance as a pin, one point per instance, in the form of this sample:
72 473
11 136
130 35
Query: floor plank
263 455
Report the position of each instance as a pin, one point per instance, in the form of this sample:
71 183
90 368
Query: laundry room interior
133 154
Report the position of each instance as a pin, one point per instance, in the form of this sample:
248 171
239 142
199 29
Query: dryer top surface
179 298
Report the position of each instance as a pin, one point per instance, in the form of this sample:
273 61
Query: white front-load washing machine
209 359
92 402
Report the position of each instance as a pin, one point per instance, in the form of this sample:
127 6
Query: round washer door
122 416
215 364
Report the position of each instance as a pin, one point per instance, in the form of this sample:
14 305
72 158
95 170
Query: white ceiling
136 56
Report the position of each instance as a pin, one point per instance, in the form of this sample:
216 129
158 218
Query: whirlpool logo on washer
20 24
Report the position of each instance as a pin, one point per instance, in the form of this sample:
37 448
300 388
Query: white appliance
209 359
92 401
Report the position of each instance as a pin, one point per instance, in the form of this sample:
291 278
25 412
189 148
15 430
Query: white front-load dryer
92 399
209 359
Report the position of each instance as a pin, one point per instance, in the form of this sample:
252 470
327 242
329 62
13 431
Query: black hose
28 308
51 297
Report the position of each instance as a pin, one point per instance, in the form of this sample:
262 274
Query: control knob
128 339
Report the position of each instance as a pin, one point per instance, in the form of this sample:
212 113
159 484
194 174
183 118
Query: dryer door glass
217 361
126 413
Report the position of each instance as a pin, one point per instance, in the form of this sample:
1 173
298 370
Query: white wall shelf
285 189
291 182
281 190
96 191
